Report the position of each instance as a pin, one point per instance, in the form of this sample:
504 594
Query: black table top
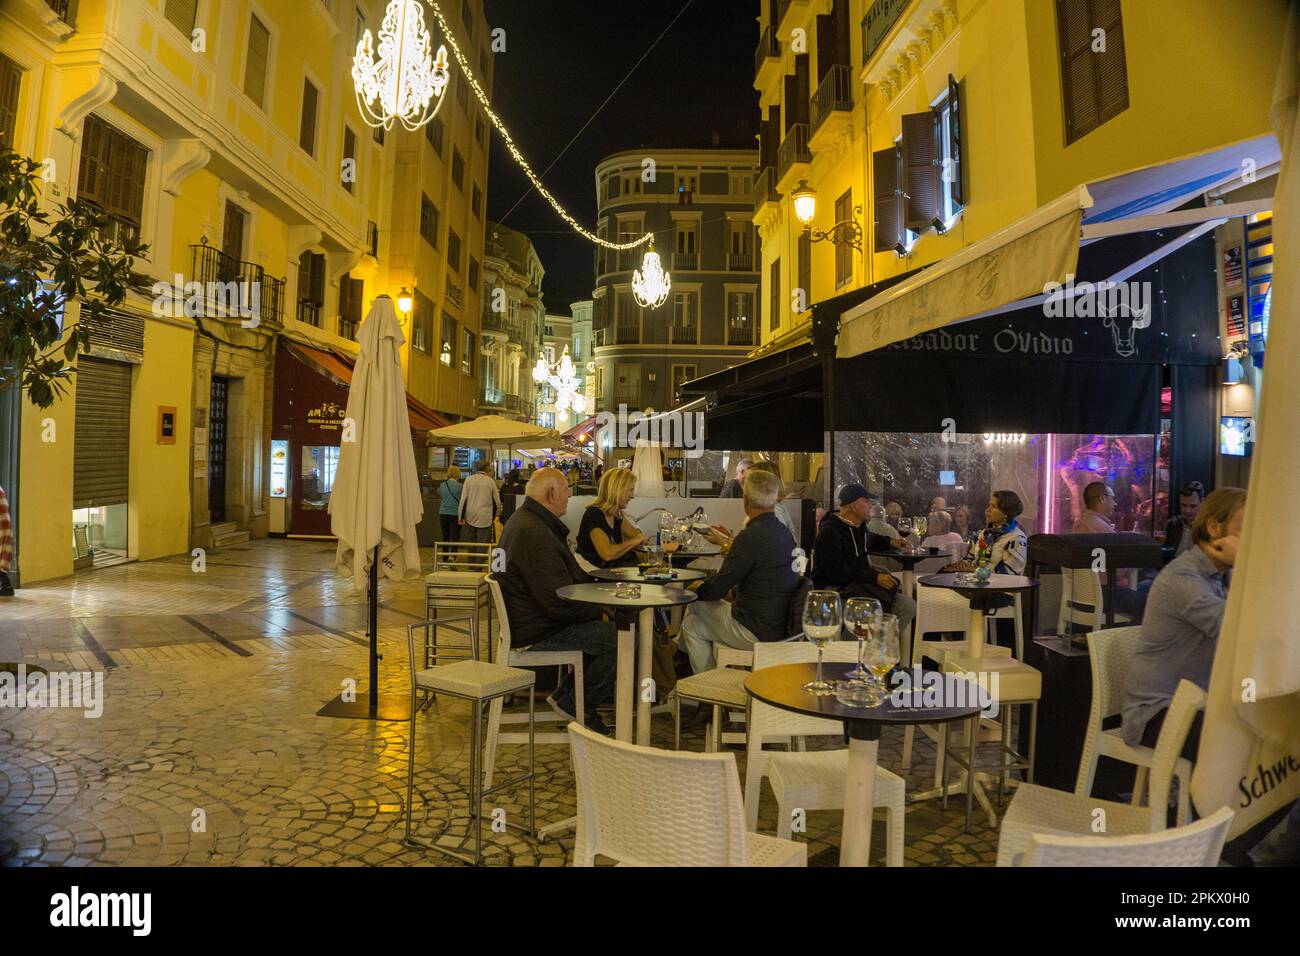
998 583
652 595
680 575
911 557
782 687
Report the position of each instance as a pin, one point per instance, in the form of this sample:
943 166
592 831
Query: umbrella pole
374 633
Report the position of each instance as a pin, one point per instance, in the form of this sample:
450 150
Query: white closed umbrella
375 505
648 466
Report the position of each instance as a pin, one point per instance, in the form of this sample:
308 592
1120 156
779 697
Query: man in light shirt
1099 510
480 503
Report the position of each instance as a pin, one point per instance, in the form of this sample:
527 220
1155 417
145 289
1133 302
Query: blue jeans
598 641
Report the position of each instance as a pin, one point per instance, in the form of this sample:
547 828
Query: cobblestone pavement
209 750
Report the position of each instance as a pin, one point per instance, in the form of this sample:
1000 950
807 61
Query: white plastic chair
1198 844
1113 652
1082 601
1039 810
642 806
523 657
722 688
809 780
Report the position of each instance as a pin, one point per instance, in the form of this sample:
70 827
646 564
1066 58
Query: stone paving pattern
212 685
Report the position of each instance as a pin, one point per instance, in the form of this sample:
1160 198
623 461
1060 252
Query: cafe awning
1011 267
337 365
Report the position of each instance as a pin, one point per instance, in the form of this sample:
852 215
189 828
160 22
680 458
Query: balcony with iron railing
740 262
794 158
686 261
512 403
767 58
829 111
493 397
765 189
215 270
741 332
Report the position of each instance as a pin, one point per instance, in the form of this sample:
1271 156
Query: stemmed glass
905 529
821 625
668 540
922 523
860 616
882 652
685 532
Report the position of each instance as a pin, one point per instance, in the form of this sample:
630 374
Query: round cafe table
981 600
782 687
638 576
638 645
909 560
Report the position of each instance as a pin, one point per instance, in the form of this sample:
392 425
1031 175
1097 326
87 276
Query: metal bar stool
479 683
456 584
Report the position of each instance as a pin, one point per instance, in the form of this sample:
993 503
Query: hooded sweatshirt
840 553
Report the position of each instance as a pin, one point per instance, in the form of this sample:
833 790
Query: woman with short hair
607 537
449 508
1002 545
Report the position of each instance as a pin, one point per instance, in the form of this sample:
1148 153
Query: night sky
562 58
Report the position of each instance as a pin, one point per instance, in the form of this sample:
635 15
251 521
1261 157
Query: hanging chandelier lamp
650 283
405 83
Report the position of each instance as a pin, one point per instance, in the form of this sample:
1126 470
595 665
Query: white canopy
376 497
1250 744
495 431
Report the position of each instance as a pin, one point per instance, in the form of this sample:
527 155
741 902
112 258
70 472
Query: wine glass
922 524
905 529
821 625
669 541
685 533
881 654
860 616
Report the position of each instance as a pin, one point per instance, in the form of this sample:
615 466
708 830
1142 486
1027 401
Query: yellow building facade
839 79
227 136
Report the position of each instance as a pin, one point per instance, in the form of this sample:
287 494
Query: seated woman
606 536
941 535
1002 545
1180 630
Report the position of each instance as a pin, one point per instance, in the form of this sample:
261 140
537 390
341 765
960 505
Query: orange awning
338 366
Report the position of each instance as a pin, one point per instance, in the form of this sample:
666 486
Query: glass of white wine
821 624
669 541
881 654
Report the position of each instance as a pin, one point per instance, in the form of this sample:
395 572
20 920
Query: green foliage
45 262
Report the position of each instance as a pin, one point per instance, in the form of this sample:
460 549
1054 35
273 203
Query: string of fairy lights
406 78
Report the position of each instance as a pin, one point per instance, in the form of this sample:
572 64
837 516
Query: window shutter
102 443
826 45
11 78
1112 67
1094 86
923 180
791 101
888 200
307 131
259 44
182 14
318 279
958 170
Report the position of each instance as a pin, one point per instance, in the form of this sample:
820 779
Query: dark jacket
731 489
1175 528
538 561
760 567
840 558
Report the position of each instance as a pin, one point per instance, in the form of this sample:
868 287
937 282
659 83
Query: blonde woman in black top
607 536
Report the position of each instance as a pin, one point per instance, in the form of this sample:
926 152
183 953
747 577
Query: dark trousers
6 586
450 527
598 641
1152 733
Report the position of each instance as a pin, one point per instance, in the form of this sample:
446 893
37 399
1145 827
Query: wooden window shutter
923 180
825 45
318 278
1094 85
958 170
1112 67
259 46
11 78
888 200
350 152
182 14
803 89
307 131
791 101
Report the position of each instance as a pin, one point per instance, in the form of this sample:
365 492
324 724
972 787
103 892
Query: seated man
877 523
840 557
1183 615
1178 530
1098 510
538 561
759 569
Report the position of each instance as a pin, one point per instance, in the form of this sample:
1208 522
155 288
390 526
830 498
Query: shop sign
279 468
881 16
327 416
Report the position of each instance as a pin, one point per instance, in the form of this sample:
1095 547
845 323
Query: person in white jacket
480 503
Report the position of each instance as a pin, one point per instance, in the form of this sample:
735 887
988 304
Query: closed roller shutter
102 452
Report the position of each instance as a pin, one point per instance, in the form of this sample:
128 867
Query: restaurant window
307 128
422 323
433 131
11 78
740 318
111 176
453 250
686 314
467 352
351 292
428 220
628 330
182 14
774 296
476 202
458 169
447 347
805 271
843 251
1094 70
349 153
311 287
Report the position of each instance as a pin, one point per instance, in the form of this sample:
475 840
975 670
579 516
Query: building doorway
217 449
